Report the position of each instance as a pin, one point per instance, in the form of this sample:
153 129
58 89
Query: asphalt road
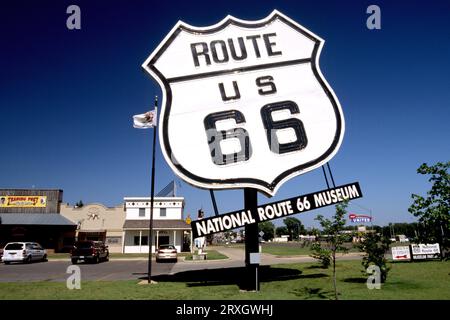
134 268
57 270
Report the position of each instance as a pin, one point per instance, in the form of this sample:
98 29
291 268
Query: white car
23 252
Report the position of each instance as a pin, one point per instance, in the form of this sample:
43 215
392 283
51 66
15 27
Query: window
163 240
141 212
113 240
144 240
14 246
163 212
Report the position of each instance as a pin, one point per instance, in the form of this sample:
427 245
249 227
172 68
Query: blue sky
67 97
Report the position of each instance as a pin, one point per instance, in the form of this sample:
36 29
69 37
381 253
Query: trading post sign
23 201
275 210
244 103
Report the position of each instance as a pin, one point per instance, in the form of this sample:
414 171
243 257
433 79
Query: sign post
251 242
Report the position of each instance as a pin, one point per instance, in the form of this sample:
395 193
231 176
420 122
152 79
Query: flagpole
152 197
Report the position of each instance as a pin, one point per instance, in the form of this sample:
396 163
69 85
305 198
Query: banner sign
359 218
425 251
245 104
275 210
23 201
401 253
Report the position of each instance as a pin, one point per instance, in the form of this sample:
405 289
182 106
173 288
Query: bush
375 246
321 254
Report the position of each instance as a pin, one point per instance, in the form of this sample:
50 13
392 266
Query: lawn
285 249
212 255
293 249
406 281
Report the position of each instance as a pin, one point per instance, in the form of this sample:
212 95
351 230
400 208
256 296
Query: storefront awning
157 225
47 219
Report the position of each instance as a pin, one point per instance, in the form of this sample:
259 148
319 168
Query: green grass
406 281
212 255
291 249
285 249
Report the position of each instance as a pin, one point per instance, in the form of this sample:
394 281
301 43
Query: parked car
1 253
23 252
166 252
89 251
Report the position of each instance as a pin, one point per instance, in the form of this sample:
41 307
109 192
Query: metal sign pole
251 241
152 196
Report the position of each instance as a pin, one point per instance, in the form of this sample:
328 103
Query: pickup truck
89 251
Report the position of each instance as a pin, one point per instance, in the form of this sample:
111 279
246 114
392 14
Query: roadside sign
401 253
359 218
275 210
425 251
255 258
245 104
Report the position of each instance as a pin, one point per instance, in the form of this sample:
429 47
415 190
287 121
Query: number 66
215 137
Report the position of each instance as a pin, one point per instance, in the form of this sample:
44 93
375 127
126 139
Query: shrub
321 254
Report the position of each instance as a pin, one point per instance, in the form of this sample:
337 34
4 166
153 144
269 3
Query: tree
335 239
434 209
321 254
375 246
294 226
282 231
268 228
313 232
79 204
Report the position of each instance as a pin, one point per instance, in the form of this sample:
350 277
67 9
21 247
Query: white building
169 226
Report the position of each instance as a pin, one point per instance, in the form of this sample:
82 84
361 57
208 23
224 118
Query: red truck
89 251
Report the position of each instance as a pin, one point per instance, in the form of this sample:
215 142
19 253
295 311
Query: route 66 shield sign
244 103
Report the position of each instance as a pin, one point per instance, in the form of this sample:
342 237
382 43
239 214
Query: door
163 240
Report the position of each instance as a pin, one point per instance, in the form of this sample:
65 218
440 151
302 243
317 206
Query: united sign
244 103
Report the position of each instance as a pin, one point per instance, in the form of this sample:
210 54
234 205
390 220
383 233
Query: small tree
434 209
335 239
375 246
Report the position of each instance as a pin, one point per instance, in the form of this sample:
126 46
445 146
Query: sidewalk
238 254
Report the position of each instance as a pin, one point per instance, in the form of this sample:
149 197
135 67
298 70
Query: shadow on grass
356 280
316 267
313 293
235 276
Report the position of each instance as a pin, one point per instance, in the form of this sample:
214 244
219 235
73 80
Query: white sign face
244 103
431 249
400 253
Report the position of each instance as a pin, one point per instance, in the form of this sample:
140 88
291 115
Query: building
34 215
97 222
169 226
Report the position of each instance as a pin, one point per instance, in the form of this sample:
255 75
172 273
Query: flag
145 121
